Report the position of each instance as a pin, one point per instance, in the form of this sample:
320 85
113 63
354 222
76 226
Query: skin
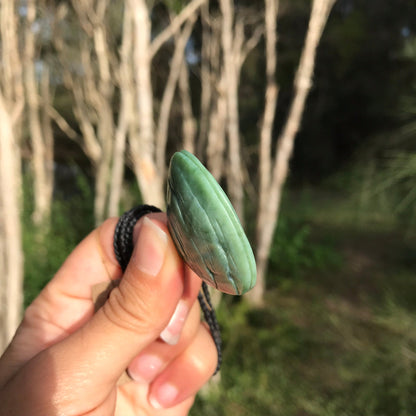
67 360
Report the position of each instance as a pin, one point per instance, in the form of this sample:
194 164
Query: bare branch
90 143
251 43
126 112
168 94
188 120
206 87
188 11
62 123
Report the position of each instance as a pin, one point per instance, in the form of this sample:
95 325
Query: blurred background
304 110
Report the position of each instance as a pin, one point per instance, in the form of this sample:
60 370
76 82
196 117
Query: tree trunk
169 93
267 217
11 260
188 120
126 113
11 107
235 46
214 103
217 134
41 140
206 81
265 158
143 146
147 157
47 138
231 72
105 122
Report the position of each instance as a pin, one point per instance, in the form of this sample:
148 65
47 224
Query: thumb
95 356
139 308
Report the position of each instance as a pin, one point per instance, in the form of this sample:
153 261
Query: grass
337 334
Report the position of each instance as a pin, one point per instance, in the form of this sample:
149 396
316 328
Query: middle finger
153 359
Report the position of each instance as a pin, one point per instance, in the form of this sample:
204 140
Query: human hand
67 360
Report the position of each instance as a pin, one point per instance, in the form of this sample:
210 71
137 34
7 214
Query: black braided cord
123 249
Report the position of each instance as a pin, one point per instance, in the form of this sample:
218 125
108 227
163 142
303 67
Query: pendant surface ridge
205 227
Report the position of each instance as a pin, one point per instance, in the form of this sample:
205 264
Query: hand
67 360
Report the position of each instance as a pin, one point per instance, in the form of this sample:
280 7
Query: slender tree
189 125
148 158
274 170
37 93
11 109
177 65
224 51
125 116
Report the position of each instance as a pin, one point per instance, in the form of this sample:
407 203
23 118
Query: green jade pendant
205 228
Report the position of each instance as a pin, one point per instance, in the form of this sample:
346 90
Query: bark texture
11 108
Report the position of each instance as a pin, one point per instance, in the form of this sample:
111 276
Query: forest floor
337 333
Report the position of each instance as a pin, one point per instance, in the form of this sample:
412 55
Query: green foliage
382 189
176 5
46 248
382 176
295 252
398 176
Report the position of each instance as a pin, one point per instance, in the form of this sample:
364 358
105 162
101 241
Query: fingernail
164 396
172 332
145 368
149 253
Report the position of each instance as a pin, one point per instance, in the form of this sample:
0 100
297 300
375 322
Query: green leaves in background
47 247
